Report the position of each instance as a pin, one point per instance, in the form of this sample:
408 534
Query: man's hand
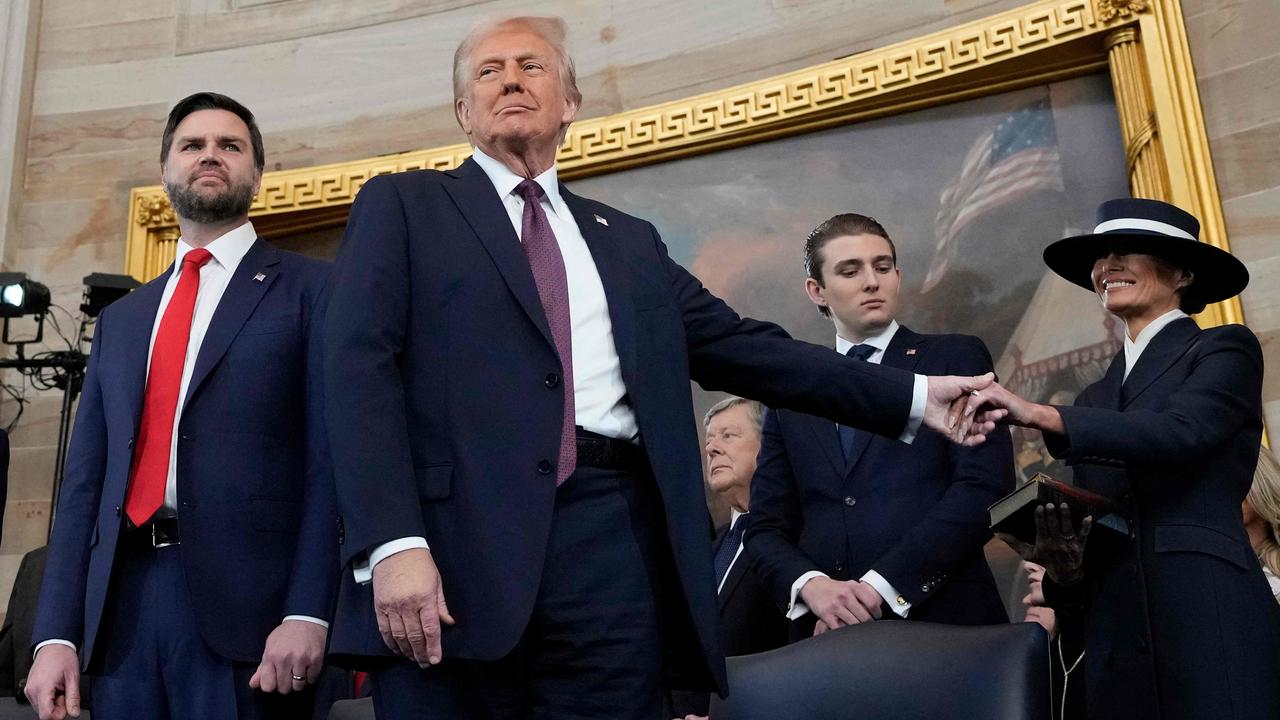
408 600
294 650
839 603
53 685
945 408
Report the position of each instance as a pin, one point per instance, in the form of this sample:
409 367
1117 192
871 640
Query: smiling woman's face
1134 285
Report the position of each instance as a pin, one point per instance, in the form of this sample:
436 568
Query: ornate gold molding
1142 41
1109 10
1035 43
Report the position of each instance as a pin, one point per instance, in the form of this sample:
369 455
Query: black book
1014 514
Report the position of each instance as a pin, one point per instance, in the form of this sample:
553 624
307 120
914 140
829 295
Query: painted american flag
1018 157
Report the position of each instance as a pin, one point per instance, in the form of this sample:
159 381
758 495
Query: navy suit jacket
445 409
255 493
1180 621
916 514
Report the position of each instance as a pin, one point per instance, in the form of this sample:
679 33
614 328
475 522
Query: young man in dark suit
192 567
848 528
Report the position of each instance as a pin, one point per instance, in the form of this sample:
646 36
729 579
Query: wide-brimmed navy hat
1153 228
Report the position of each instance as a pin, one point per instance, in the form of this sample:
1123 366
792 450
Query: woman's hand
1059 547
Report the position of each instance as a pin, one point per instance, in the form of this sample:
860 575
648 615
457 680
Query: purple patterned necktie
547 264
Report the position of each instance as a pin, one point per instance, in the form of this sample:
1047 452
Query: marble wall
332 80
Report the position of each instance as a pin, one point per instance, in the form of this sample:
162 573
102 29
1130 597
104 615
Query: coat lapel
903 353
135 340
613 275
479 203
1108 388
238 302
1168 345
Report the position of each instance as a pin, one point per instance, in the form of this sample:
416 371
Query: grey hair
551 29
755 411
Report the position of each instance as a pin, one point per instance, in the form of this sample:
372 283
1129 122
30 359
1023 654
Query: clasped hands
837 603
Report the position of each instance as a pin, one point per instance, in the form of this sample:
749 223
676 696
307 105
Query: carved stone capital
155 211
1109 10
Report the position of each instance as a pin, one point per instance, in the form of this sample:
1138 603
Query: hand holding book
1058 547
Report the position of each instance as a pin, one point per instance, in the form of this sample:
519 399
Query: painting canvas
971 193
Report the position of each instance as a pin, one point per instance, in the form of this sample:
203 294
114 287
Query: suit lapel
1108 388
240 298
1168 345
737 567
135 340
613 276
479 203
903 353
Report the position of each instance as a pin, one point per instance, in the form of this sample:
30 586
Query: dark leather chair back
896 669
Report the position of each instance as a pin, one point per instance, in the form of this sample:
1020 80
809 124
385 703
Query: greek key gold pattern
737 114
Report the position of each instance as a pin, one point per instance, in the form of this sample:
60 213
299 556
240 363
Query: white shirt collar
733 517
228 250
879 341
1133 348
505 181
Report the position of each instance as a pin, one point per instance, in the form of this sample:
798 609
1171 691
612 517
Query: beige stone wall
331 80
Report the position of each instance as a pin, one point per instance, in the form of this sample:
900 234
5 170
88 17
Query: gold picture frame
1142 43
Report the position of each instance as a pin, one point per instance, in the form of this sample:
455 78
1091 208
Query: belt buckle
156 542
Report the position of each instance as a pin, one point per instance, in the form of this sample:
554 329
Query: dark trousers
592 647
154 664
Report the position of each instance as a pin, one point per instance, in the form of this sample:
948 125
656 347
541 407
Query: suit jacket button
545 467
117 511
552 380
850 501
839 567
924 588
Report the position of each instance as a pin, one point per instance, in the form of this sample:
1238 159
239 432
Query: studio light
102 289
20 295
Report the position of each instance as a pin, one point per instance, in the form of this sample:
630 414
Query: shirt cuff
363 571
55 641
307 618
796 608
919 401
887 591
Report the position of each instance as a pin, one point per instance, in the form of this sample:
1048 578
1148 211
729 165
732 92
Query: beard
207 210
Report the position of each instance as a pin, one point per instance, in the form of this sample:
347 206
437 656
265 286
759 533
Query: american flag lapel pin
602 221
259 277
911 351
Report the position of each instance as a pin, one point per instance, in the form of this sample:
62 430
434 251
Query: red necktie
160 403
547 264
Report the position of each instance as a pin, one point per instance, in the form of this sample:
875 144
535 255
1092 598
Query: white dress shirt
227 251
797 608
1133 347
599 395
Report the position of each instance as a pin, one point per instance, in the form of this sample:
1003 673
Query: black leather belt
600 451
157 532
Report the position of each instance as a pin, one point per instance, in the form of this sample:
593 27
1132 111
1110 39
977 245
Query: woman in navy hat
1180 622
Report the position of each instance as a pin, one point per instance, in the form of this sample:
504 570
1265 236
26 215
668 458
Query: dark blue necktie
729 548
847 434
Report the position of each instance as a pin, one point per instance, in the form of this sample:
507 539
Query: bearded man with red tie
191 566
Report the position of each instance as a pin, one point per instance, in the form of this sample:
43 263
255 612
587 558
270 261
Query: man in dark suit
848 527
192 563
508 370
749 621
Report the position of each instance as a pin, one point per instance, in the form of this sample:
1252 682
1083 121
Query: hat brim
1218 274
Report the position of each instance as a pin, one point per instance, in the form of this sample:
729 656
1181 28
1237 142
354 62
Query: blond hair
1264 497
552 30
